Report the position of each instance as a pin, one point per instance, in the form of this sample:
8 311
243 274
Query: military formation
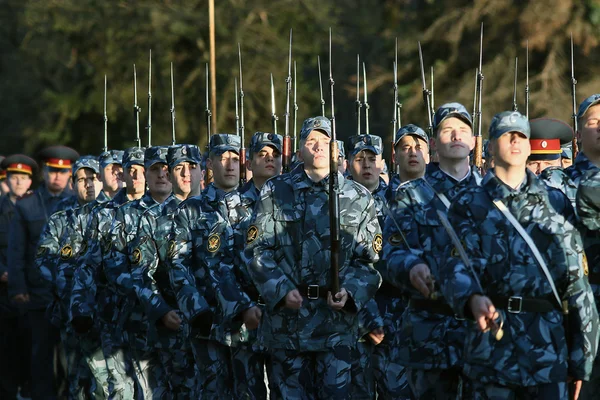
304 268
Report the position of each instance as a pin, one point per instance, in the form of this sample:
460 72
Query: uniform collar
498 190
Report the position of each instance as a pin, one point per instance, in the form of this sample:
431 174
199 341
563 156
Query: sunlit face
84 185
454 139
589 131
18 183
186 178
314 150
56 179
266 163
134 179
510 150
538 166
226 170
112 177
366 168
411 156
157 178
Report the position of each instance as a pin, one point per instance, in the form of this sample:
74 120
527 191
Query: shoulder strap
500 205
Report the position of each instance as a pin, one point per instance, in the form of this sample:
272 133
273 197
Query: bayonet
274 117
149 126
574 102
477 152
426 93
527 81
172 107
105 120
242 128
207 112
357 102
321 86
394 116
334 205
136 110
287 145
432 92
295 111
366 99
237 115
515 106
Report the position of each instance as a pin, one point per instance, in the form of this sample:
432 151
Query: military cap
19 164
371 143
154 155
262 139
587 103
223 142
59 157
183 153
450 110
547 137
486 148
133 156
86 162
412 130
342 149
111 157
315 124
509 121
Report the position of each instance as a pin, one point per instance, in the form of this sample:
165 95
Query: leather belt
389 290
433 306
518 304
313 292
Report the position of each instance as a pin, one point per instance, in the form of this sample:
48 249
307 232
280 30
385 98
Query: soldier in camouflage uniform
167 327
13 330
57 245
365 167
310 336
431 338
510 283
89 297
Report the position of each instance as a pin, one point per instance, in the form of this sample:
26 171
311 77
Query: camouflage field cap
223 142
111 157
509 121
133 156
341 149
86 162
154 155
587 103
371 143
20 164
315 124
183 153
262 139
450 110
567 151
412 130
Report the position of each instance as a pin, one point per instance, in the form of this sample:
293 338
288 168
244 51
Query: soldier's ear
299 155
249 164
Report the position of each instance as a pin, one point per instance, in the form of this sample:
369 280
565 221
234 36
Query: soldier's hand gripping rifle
334 205
287 145
241 131
574 102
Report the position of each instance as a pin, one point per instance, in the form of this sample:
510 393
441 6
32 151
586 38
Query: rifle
321 86
515 106
237 115
574 98
426 94
527 81
366 100
295 113
172 107
136 110
241 131
274 117
432 94
105 148
208 177
474 114
477 152
394 118
149 126
287 145
357 102
334 201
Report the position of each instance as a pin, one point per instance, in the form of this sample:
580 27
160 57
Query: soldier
310 336
90 294
167 327
588 158
55 248
431 338
529 261
25 284
14 345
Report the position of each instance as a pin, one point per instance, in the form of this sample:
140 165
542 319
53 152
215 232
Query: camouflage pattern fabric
490 391
556 177
533 350
579 168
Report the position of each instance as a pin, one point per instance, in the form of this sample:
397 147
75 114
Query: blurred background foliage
55 53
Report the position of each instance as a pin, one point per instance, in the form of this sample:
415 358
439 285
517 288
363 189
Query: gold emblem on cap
214 243
66 252
252 234
378 243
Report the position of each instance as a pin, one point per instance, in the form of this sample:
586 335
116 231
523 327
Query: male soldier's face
266 163
112 177
365 168
411 156
226 170
566 162
589 131
511 150
56 179
18 184
186 178
85 187
134 179
454 139
157 178
315 151
538 166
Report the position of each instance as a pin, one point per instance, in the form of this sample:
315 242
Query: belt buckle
313 292
512 307
260 301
